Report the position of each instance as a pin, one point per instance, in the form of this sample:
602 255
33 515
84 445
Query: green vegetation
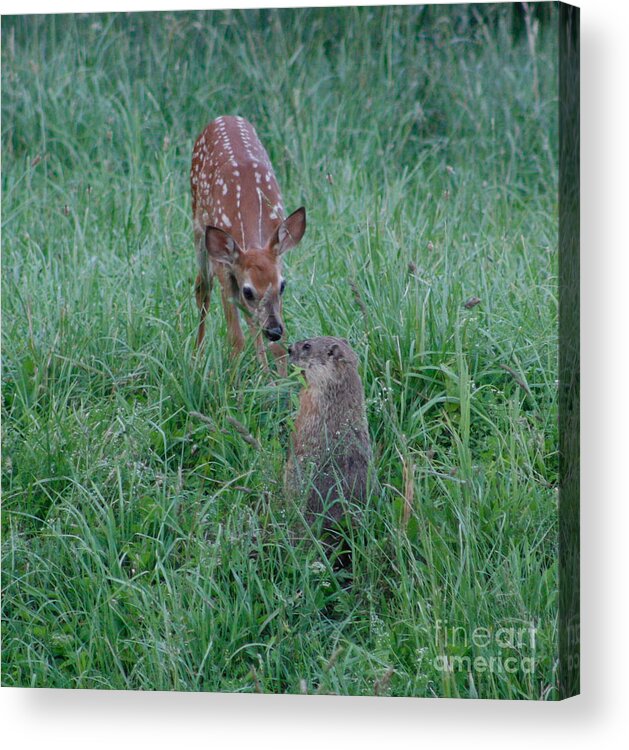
143 548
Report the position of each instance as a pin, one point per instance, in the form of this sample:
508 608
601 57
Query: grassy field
145 549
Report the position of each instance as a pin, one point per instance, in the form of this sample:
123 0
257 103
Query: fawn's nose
275 333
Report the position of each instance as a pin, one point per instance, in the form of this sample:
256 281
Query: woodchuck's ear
336 352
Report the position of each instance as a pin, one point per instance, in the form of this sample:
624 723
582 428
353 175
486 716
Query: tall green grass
146 549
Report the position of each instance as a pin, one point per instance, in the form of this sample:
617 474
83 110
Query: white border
49 718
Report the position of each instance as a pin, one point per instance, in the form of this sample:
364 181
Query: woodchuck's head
324 360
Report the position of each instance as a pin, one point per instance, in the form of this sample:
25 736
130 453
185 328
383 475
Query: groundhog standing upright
330 455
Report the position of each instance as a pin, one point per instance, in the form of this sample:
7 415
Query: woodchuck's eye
247 293
306 347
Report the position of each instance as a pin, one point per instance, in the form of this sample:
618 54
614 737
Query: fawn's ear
289 232
221 246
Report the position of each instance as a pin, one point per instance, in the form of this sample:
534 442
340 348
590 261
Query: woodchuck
330 455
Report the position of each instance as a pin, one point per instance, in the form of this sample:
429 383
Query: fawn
240 233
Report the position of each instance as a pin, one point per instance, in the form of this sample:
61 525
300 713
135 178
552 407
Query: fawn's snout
274 333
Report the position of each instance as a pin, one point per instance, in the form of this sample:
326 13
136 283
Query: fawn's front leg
281 358
234 332
202 292
256 335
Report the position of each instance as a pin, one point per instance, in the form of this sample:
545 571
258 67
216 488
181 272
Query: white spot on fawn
225 220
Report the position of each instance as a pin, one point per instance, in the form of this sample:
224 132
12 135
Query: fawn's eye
282 286
247 293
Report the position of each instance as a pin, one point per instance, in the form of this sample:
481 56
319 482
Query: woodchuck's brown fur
330 455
